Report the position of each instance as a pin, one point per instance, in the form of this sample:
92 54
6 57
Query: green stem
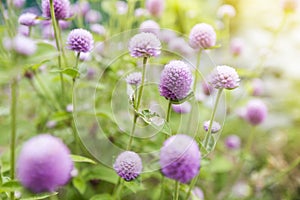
191 186
169 111
136 109
13 112
208 134
119 189
176 196
56 34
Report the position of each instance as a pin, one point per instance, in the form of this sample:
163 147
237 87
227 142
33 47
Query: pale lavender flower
256 112
48 32
18 3
80 40
215 126
207 88
27 19
180 46
93 16
180 158
61 8
233 142
90 73
23 30
98 29
224 77
134 78
24 45
175 81
202 36
155 7
226 10
64 24
197 193
128 165
85 56
44 164
141 12
122 7
257 87
51 124
167 35
69 108
144 45
236 46
150 26
183 108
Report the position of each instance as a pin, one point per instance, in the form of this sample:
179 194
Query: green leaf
68 71
77 158
102 173
102 197
10 186
79 184
36 66
40 196
134 186
220 165
189 96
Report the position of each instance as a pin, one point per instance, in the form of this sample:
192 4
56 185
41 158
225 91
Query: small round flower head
98 29
23 30
150 26
27 19
237 46
85 56
144 45
224 77
64 24
92 16
207 88
134 78
141 12
69 108
175 81
128 165
51 124
61 8
257 87
180 158
226 11
233 142
197 193
24 45
256 112
122 7
183 108
80 40
215 126
44 164
155 7
202 36
167 36
18 3
180 46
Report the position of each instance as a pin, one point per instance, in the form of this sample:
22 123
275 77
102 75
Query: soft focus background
262 41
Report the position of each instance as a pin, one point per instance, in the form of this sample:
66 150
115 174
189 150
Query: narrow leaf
77 158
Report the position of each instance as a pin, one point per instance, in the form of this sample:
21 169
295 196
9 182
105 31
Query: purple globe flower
202 36
175 81
44 164
183 108
215 126
134 78
256 112
128 165
18 3
98 29
144 45
93 16
150 26
180 158
24 45
61 8
207 88
257 87
80 40
197 193
155 7
224 77
27 19
233 142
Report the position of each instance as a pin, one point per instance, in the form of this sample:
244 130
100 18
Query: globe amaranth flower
207 88
175 81
224 77
61 8
98 29
237 46
150 26
256 112
215 126
183 108
180 158
93 16
226 10
27 19
44 164
257 87
18 3
197 193
144 45
24 45
128 165
202 36
233 142
134 78
80 40
155 7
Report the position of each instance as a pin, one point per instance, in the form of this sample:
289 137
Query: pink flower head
183 108
18 3
150 26
93 16
215 126
134 78
80 40
256 112
155 7
27 19
24 45
233 142
61 8
202 36
226 11
237 46
224 77
98 29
